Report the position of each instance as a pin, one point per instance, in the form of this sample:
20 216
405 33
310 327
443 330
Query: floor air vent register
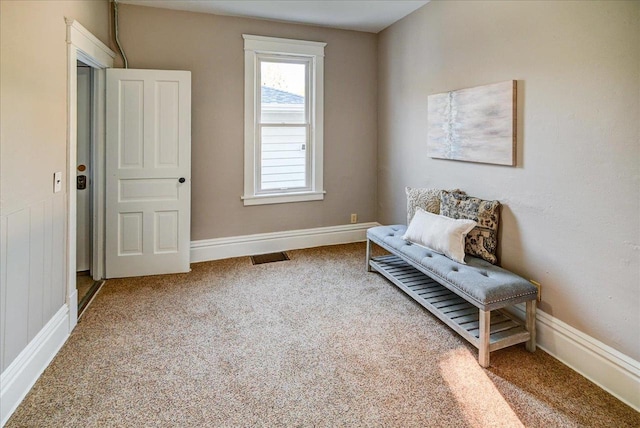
269 258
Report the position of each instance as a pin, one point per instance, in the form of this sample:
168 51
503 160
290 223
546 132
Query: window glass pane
284 157
282 94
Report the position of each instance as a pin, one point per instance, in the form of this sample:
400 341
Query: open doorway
87 280
85 47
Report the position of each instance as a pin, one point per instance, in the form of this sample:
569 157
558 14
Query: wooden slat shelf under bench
450 308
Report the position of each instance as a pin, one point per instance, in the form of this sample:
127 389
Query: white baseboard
613 371
239 246
24 371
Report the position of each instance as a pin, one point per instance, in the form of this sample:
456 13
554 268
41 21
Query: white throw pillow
442 234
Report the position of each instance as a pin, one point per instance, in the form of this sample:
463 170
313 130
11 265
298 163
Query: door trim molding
84 46
261 243
98 141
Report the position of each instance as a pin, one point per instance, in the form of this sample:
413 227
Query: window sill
281 198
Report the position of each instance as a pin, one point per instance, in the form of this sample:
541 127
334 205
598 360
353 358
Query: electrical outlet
354 218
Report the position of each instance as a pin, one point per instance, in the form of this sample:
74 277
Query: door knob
182 180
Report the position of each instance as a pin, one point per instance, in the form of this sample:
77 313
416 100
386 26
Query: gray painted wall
33 145
212 48
571 206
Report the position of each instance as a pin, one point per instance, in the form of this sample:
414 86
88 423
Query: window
283 120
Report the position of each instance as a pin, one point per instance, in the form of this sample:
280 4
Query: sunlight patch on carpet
477 397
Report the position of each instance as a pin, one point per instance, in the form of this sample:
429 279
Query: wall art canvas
474 125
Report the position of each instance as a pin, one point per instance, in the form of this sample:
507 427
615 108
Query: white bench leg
368 257
485 331
531 325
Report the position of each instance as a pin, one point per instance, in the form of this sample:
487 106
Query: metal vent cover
269 258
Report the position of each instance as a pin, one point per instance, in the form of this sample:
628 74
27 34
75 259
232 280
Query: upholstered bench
467 297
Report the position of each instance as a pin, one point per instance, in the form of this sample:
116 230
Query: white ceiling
360 15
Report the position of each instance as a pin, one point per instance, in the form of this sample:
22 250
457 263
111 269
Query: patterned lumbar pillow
482 241
427 199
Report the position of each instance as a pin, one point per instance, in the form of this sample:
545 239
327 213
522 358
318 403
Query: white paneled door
148 165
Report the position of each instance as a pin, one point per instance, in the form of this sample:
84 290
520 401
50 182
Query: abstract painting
474 125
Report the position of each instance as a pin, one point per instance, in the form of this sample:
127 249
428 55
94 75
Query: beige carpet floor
314 341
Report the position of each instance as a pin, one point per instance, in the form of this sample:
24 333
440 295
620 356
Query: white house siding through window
283 148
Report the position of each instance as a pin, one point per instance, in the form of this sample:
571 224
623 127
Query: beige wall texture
33 79
571 206
212 48
33 145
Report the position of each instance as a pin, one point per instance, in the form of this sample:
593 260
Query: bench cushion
484 285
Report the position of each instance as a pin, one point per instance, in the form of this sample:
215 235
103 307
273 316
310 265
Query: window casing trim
281 198
259 46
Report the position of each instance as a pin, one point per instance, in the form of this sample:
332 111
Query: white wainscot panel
32 286
16 304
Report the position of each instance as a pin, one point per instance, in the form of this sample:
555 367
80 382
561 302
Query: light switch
57 181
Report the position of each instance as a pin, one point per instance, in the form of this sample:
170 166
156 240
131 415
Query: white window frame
307 124
256 48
